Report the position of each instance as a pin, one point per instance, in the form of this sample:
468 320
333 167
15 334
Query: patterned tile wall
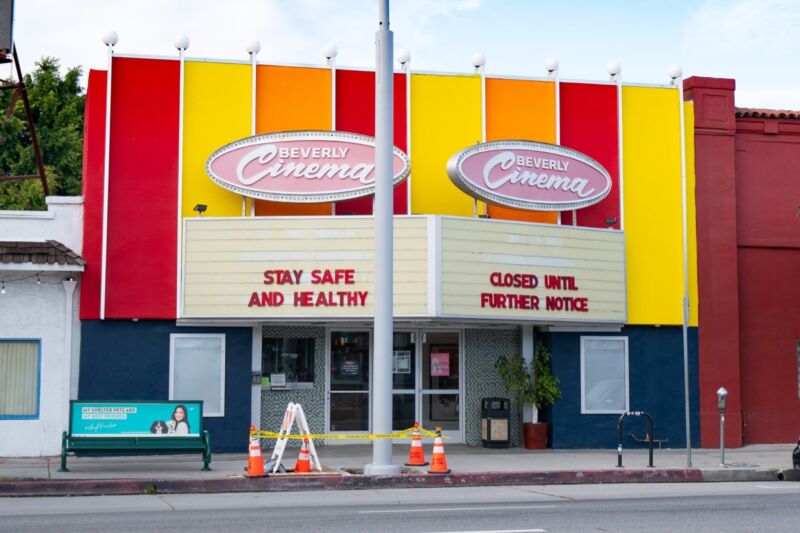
482 347
273 402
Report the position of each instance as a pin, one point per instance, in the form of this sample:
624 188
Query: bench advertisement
136 419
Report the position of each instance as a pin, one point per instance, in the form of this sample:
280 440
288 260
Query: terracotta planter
535 435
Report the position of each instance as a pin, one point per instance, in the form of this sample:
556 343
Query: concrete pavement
470 465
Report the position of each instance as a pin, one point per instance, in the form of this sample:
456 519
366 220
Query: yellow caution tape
405 434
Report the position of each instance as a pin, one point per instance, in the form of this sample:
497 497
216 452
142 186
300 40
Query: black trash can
495 415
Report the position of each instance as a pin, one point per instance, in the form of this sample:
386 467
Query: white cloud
768 27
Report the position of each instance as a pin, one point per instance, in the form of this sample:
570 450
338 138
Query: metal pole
382 359
722 439
685 303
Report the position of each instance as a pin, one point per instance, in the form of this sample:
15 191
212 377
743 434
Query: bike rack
619 435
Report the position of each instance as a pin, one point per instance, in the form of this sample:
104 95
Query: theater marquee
445 267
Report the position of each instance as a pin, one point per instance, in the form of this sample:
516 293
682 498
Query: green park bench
132 426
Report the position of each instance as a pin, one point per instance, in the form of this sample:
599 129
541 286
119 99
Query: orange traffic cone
438 459
416 456
255 464
303 465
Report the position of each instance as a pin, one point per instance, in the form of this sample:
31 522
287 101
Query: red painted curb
94 487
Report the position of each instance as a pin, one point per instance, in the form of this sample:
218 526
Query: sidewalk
470 466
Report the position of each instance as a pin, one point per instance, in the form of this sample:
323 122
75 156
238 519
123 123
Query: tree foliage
57 103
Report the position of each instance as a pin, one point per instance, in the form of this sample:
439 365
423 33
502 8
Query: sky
757 42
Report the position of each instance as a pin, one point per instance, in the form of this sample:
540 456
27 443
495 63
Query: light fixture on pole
383 217
330 51
403 57
182 43
478 61
551 66
613 68
675 75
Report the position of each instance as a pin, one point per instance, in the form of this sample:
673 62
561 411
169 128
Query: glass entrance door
349 374
426 379
440 394
404 380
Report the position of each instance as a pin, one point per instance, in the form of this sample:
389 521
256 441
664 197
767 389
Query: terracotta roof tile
39 253
757 112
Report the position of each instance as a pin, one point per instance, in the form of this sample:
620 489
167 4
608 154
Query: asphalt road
698 507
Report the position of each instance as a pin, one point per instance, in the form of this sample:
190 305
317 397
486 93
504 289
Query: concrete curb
98 487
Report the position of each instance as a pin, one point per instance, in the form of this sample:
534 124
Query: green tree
57 103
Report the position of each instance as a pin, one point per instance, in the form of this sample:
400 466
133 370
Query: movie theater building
229 245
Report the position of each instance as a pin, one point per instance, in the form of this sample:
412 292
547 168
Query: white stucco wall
46 311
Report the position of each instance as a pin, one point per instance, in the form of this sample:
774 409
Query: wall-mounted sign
302 166
529 175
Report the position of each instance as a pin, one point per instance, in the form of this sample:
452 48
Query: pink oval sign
302 166
529 175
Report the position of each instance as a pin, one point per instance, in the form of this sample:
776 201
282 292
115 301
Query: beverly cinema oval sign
302 166
529 175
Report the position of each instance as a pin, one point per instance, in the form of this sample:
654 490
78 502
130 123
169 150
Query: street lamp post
382 212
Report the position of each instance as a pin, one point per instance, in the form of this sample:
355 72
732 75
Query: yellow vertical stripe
653 221
445 118
691 212
216 112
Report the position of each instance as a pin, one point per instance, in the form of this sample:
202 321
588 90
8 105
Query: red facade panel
770 331
589 125
355 112
143 189
767 189
94 122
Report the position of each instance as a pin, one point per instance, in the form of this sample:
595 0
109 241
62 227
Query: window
293 357
197 371
19 379
604 375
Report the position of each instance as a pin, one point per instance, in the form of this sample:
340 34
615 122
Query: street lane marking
450 509
496 531
777 487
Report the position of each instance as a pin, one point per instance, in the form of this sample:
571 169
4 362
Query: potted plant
532 384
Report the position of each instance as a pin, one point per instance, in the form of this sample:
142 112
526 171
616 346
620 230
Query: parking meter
722 400
722 406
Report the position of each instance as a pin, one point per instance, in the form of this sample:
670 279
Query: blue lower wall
655 360
125 360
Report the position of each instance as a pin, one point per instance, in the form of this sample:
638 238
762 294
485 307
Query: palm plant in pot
530 384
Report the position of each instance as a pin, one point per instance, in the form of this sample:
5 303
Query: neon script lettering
507 161
267 161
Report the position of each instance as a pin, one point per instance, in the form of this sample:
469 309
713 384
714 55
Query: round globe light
403 56
111 38
551 64
182 42
253 47
614 68
330 51
478 60
675 72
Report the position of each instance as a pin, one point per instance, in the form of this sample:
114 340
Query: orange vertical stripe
292 98
520 109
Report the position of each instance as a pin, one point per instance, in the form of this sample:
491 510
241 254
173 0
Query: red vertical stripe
589 125
94 125
355 112
143 189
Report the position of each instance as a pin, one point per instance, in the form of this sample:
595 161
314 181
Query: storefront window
197 370
604 375
19 379
290 357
